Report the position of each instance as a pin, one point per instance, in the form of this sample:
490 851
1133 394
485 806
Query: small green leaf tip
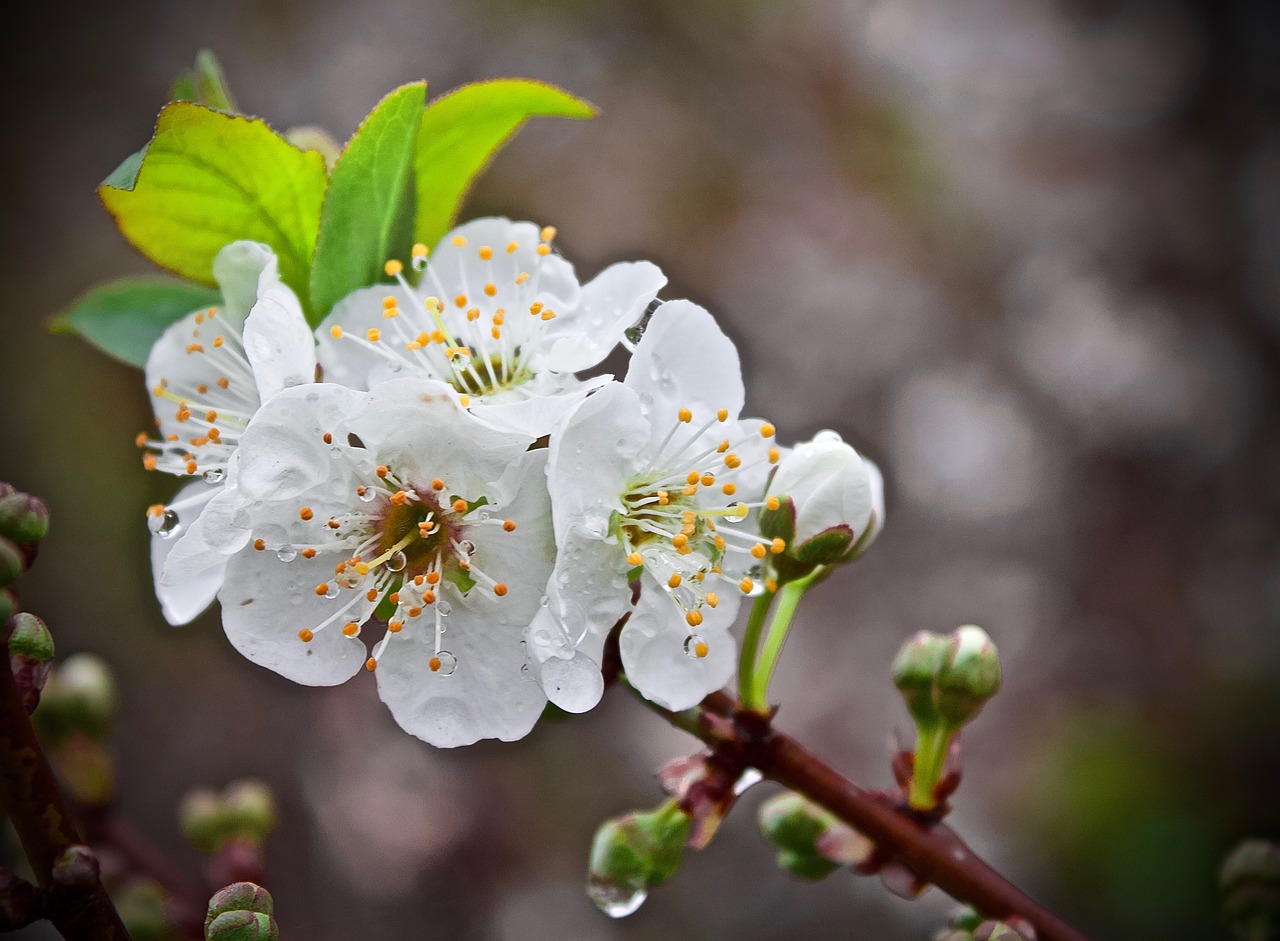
23 518
30 638
1250 882
634 853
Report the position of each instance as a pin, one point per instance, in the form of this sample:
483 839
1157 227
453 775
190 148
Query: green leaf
206 84
209 178
125 176
368 209
125 318
463 130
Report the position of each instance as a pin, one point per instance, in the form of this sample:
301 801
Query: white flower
647 479
395 501
208 373
497 316
827 497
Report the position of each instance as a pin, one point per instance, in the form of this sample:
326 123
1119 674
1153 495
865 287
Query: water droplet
467 547
616 901
443 663
286 553
214 475
444 608
166 524
695 647
633 334
349 578
331 591
544 601
749 778
397 562
483 516
368 495
541 638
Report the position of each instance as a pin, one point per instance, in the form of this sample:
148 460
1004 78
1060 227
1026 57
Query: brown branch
31 798
932 850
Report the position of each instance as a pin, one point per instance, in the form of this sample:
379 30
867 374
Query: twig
30 796
932 850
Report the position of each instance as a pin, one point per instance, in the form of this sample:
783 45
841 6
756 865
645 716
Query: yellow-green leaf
460 134
209 178
125 318
368 209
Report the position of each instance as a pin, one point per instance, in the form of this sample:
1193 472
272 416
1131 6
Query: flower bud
915 671
794 825
12 562
76 867
23 518
969 676
141 906
241 912
634 853
825 502
251 810
242 896
80 696
1250 881
30 653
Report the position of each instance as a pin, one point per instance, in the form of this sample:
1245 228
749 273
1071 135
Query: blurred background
1025 254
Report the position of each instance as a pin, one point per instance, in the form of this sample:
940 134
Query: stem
788 601
751 645
933 851
931 755
33 802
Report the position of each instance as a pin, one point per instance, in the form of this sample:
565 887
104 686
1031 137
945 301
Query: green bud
80 696
634 853
969 676
12 562
793 824
251 810
1250 881
240 896
996 931
30 638
242 926
201 817
77 867
23 518
965 919
8 605
141 905
914 671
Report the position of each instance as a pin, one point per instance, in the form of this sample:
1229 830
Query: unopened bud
245 811
30 653
76 867
969 676
12 562
80 696
1250 881
999 931
251 810
794 825
242 896
634 853
242 926
23 518
823 492
200 816
141 906
915 671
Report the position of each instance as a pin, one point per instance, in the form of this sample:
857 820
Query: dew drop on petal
368 494
331 591
286 553
544 601
616 901
695 647
467 547
166 524
444 608
214 475
397 562
443 663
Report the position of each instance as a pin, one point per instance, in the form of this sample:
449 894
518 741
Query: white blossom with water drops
495 314
207 374
651 481
395 501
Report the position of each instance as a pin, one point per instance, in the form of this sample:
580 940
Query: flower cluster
425 488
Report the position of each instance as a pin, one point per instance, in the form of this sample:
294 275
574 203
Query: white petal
344 359
265 602
535 415
277 340
183 600
586 596
593 454
654 657
238 268
282 453
611 302
684 360
457 269
218 532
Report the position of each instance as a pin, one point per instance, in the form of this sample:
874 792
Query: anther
772 503
700 649
778 546
459 505
308 553
774 454
771 584
746 585
373 335
395 627
371 664
674 580
548 233
393 267
259 544
351 629
460 241
437 484
336 332
722 414
635 559
685 415
382 470
693 618
680 540
322 589
509 526
729 489
485 253
766 430
419 250
305 636
758 550
500 589
305 513
712 598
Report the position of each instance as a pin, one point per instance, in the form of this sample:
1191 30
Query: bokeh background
1023 253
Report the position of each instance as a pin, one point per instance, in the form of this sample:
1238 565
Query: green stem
788 600
751 645
931 755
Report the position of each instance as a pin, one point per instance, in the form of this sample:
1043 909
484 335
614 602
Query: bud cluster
634 853
24 521
945 681
241 912
74 720
244 811
811 842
